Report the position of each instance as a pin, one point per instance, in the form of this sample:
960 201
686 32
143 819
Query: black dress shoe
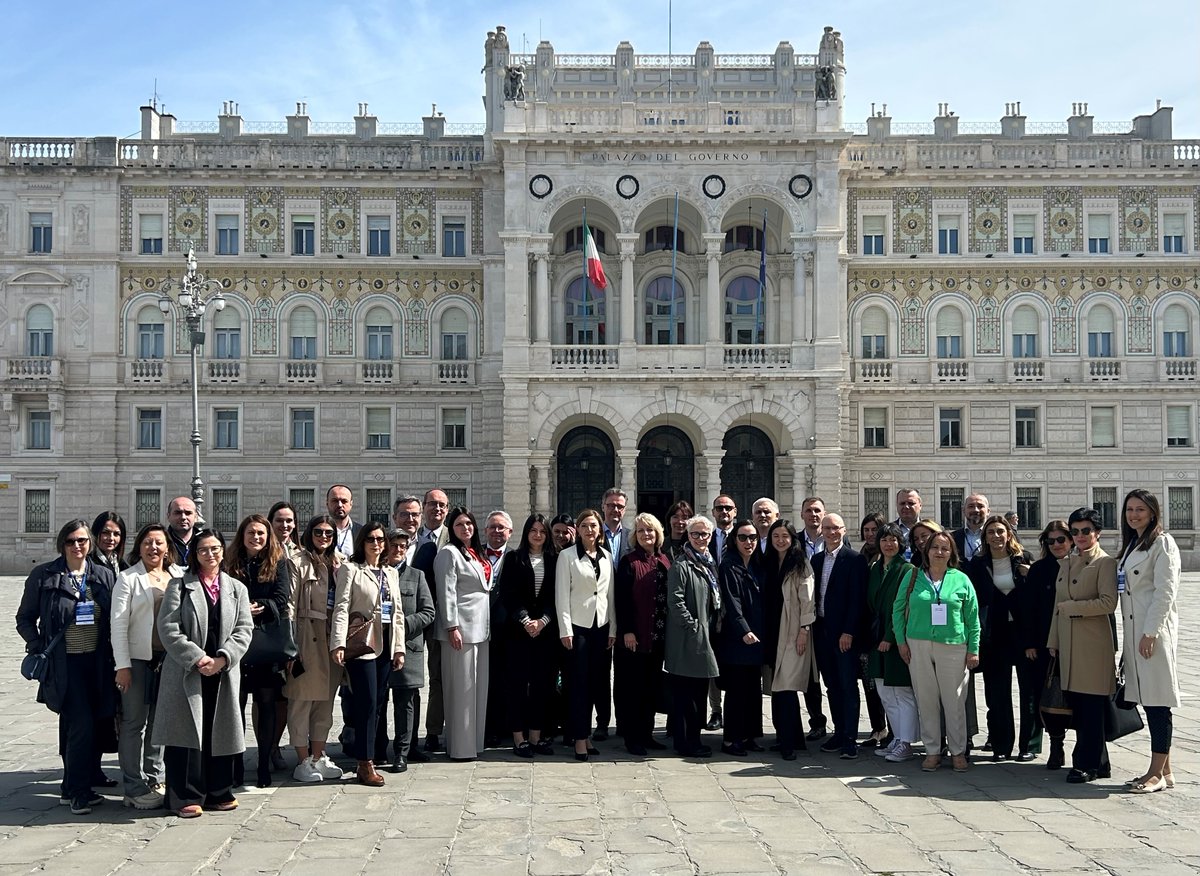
399 765
102 781
581 757
700 751
752 745
815 734
418 756
787 754
733 749
831 745
544 746
635 749
1079 777
432 744
1026 756
997 757
654 745
1105 772
523 749
714 722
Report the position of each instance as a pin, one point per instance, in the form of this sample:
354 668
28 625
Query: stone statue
514 82
826 83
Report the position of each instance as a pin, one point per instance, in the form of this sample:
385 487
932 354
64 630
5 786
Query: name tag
938 614
1120 580
329 602
85 613
385 611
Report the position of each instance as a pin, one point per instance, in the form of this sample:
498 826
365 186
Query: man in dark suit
724 511
620 542
840 573
969 539
339 502
432 536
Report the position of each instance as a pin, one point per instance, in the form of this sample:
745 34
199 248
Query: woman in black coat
999 577
527 592
740 651
65 610
108 542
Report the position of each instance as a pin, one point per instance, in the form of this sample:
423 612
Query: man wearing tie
620 542
969 539
497 531
724 511
431 536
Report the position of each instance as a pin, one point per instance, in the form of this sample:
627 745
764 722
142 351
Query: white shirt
826 571
428 535
972 542
344 539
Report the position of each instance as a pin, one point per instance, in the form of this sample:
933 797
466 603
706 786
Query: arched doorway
666 470
586 468
748 467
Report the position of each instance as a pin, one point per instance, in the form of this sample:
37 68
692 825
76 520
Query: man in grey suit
620 542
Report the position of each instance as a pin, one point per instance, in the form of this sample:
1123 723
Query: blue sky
83 68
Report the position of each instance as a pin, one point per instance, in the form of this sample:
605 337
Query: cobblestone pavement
618 814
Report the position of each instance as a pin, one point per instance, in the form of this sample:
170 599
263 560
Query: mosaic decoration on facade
912 220
987 215
127 197
912 327
1138 218
1063 230
187 219
263 326
1062 325
1139 337
264 219
415 209
339 220
987 325
341 329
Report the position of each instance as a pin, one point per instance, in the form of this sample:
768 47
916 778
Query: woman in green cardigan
889 573
937 631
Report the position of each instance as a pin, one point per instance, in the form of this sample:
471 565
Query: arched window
745 315
1100 327
949 333
586 322
227 334
665 305
454 327
744 237
574 239
1025 331
1176 328
874 329
379 334
151 333
302 331
39 331
663 237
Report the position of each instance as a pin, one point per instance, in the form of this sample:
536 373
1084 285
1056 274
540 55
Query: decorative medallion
1101 282
713 186
540 186
912 223
987 222
1137 223
800 186
340 224
377 284
1063 222
187 223
302 283
264 224
416 226
628 186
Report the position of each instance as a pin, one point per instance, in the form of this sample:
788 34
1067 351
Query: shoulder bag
35 665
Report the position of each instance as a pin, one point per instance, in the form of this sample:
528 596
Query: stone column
800 302
627 471
540 463
708 479
541 294
516 286
628 319
714 303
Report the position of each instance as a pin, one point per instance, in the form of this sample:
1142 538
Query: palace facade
1011 309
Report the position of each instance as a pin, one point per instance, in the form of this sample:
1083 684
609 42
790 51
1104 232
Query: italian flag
595 270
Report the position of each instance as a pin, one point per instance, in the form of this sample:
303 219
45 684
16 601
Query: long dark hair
548 550
475 544
135 554
306 540
272 554
279 506
795 556
1154 529
360 542
98 527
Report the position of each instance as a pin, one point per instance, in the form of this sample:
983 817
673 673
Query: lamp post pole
191 289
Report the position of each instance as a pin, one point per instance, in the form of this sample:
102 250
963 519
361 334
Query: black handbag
1121 717
1053 701
35 665
274 642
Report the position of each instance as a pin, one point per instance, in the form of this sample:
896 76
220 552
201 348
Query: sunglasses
723 508
76 542
375 538
323 533
1057 539
1087 530
742 536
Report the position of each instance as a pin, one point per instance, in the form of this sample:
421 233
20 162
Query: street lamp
192 287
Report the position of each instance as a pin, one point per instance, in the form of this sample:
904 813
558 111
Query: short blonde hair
650 521
700 518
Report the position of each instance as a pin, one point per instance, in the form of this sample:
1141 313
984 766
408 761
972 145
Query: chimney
298 124
1079 124
1012 123
879 124
365 125
945 125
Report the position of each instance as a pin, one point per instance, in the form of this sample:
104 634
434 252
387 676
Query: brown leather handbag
360 635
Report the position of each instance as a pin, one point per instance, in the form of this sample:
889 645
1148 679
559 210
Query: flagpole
585 271
762 284
674 255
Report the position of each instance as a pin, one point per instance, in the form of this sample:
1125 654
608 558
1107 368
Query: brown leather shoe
367 774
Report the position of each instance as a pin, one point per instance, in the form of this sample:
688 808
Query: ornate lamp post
190 291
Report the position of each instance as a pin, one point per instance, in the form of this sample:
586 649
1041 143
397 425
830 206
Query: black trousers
1003 655
688 697
742 716
812 705
77 724
368 679
1160 724
589 672
602 697
875 713
497 721
839 670
529 677
406 714
638 680
1087 717
199 777
785 714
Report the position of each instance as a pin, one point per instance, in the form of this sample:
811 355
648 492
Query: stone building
1005 308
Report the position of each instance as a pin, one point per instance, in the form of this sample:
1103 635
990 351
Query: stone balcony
36 369
225 371
147 371
1174 370
455 372
301 372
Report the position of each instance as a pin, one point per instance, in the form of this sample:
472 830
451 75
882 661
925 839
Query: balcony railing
1103 369
377 372
39 368
571 358
1177 369
758 356
146 371
296 371
454 372
951 370
224 371
1027 370
873 371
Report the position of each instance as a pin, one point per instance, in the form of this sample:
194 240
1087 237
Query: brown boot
367 774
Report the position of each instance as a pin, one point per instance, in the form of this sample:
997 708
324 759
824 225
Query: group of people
155 648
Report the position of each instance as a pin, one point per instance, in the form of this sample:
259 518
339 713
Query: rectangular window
379 235
1024 346
457 496
41 232
1099 345
1180 514
1174 230
874 346
304 348
39 341
224 512
147 508
454 428
947 235
950 427
454 345
1179 426
304 500
1104 500
379 506
150 232
38 435
37 511
875 427
149 429
1027 432
379 342
151 340
873 229
454 236
1175 344
950 507
949 346
1098 230
1104 427
1024 229
379 428
225 424
304 429
227 343
303 235
877 500
1029 507
228 233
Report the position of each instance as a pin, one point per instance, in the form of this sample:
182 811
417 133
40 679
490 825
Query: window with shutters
227 334
947 227
1176 328
874 230
1104 500
1104 426
950 427
454 236
41 233
1027 429
379 235
149 429
1099 232
1025 331
379 428
304 235
379 334
949 333
1179 425
1100 327
874 329
1180 509
1174 232
454 327
304 429
1024 231
228 233
454 428
150 232
302 327
225 429
38 430
875 427
151 333
39 331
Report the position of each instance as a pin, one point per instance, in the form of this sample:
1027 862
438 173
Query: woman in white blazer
1148 581
587 623
462 585
138 653
367 586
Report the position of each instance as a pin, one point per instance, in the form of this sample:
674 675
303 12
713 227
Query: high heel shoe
581 756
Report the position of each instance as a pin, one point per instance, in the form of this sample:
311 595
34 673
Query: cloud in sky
84 70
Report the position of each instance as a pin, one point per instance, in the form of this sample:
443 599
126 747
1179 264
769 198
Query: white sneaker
900 753
307 771
327 768
886 750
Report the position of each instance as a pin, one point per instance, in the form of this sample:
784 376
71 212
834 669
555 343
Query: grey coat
183 627
416 604
690 621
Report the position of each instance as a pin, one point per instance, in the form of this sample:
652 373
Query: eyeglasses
747 536
76 542
376 538
1057 539
437 504
724 508
700 534
1087 530
209 551
323 533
